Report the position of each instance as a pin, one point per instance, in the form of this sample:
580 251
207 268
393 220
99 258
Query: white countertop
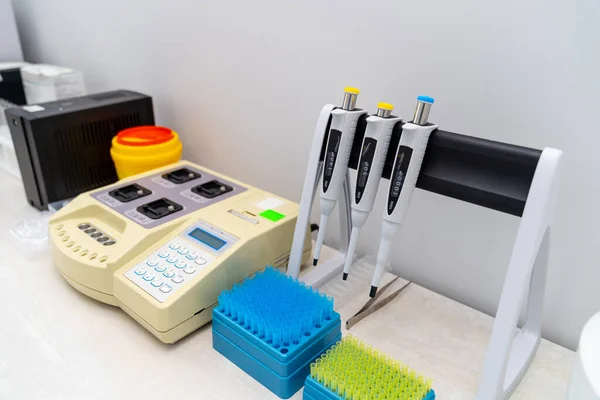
55 343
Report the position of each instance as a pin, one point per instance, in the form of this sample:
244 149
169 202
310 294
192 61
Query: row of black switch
96 234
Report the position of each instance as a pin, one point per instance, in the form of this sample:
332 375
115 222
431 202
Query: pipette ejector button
422 111
350 95
384 110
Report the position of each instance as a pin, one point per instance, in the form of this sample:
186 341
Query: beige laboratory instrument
163 245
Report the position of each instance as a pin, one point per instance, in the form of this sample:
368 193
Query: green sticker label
272 215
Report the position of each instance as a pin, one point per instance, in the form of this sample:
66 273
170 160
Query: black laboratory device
63 147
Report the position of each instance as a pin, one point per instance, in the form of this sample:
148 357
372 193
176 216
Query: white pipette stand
509 355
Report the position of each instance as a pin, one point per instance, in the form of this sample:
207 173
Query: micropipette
335 169
407 165
372 158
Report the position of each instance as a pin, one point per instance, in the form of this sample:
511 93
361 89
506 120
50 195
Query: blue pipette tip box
273 326
313 390
425 99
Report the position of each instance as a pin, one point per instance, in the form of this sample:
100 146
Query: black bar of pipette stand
479 171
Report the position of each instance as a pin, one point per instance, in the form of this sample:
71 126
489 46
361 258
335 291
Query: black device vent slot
34 173
86 163
107 96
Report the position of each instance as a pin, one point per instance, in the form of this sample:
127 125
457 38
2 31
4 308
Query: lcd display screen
208 239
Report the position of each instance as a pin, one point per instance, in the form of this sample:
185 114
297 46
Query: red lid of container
144 136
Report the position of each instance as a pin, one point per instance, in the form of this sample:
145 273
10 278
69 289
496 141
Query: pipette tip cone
315 262
373 292
345 276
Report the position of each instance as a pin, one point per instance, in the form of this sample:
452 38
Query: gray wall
243 83
10 48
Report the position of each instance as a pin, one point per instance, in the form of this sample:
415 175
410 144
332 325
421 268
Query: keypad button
103 239
201 261
192 256
84 226
165 288
140 271
160 267
169 273
96 235
172 259
189 270
180 264
110 243
183 251
164 254
177 279
157 282
148 277
174 246
152 262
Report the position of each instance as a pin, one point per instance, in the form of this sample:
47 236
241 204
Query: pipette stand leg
333 266
312 177
511 351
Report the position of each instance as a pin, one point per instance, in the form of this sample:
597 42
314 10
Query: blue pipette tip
426 99
273 326
275 308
